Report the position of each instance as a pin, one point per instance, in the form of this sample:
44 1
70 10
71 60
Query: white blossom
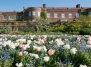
29 41
59 42
37 48
83 66
44 48
19 64
12 45
45 36
21 41
46 58
34 55
32 36
8 42
89 38
88 46
51 41
67 46
25 52
16 44
73 51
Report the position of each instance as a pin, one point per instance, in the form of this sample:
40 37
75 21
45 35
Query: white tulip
1 43
88 46
27 45
67 46
46 58
59 42
51 41
45 36
34 55
16 44
8 42
12 45
89 38
44 48
19 64
83 66
73 50
32 36
21 41
37 48
25 52
29 41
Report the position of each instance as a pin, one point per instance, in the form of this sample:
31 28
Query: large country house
52 13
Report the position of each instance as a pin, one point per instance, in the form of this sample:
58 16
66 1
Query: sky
17 5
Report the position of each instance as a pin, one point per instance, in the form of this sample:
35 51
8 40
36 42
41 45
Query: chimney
44 5
78 6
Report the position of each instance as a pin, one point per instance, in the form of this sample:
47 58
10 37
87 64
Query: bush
70 28
57 29
5 29
85 31
43 15
81 58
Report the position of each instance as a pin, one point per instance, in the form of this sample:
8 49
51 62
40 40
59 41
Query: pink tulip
4 44
51 52
78 39
20 53
24 47
40 41
89 42
44 39
20 45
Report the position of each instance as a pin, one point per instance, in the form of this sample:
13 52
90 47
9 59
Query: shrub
81 58
85 31
43 15
70 28
57 29
5 29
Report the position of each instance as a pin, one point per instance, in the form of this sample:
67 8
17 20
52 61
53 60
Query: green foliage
70 28
85 31
81 58
17 32
43 15
57 29
5 29
83 19
84 13
42 24
6 63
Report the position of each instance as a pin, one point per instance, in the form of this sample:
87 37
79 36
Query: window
55 15
63 15
77 15
48 15
34 13
89 13
30 13
38 13
17 17
10 17
5 17
70 15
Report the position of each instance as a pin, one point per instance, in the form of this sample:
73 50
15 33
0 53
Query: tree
43 15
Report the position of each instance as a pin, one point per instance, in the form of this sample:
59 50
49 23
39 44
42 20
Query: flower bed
45 51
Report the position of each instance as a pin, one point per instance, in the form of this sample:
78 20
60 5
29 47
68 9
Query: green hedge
85 31
57 29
